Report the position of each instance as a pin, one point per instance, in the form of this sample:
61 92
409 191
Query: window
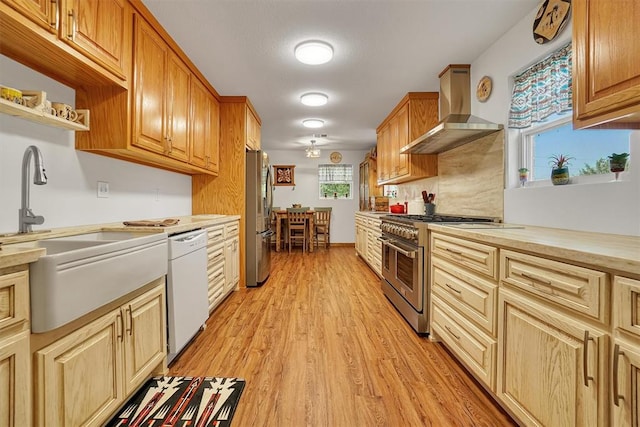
541 107
588 149
335 181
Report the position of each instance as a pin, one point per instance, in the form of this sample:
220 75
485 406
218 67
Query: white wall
606 207
70 198
305 191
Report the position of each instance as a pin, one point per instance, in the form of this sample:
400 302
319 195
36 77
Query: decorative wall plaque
283 175
551 18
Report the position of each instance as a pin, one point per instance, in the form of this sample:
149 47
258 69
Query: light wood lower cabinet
368 247
15 380
223 261
82 378
15 369
625 360
552 369
231 256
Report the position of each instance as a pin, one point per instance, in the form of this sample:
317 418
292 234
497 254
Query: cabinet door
79 377
98 29
402 139
213 148
205 127
177 109
150 53
625 385
384 153
145 336
253 131
15 381
606 61
42 12
551 368
231 264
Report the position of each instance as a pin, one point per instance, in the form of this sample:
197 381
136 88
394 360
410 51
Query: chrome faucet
26 217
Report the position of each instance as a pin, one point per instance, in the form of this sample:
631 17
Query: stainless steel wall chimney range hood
458 126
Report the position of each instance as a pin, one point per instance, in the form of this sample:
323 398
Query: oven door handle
409 254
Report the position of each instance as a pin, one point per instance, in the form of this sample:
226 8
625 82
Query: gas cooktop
435 218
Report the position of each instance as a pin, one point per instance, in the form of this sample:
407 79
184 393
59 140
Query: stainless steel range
405 263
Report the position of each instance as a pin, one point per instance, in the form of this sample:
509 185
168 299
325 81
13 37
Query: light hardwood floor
320 345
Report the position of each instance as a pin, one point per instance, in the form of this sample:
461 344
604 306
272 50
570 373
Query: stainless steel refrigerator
258 217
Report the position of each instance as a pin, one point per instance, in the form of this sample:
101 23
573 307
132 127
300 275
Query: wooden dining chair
297 227
322 226
273 219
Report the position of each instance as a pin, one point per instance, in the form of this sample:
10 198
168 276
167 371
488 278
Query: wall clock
551 18
335 157
483 91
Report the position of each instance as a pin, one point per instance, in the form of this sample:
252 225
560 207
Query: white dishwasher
187 295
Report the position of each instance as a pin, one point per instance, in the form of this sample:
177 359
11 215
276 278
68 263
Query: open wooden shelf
39 116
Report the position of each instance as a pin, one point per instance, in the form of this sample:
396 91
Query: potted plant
618 163
559 169
522 175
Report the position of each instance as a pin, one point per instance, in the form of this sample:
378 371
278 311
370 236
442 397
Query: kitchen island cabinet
414 115
606 86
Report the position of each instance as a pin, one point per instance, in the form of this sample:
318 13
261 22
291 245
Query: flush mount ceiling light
314 99
313 152
313 123
314 52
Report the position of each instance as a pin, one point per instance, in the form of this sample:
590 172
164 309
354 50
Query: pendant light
313 152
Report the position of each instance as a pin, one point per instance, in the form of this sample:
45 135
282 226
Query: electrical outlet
103 189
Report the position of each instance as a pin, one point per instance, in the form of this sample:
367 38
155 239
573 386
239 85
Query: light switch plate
103 189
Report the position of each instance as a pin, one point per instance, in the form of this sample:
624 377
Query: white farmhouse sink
81 273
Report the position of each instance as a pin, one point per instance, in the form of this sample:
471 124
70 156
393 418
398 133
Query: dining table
281 215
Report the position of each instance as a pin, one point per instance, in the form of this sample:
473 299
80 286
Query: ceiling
382 50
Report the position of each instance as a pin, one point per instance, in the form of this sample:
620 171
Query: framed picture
283 175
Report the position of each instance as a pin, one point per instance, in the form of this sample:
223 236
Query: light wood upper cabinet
416 113
162 101
551 368
253 131
205 127
100 29
42 12
606 61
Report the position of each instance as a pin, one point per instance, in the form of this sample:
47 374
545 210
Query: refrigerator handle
269 192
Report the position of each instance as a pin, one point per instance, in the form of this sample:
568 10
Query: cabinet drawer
626 307
475 256
14 299
472 296
231 229
577 288
215 234
215 254
472 346
216 276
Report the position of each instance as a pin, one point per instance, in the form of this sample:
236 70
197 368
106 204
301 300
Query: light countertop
611 252
13 255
